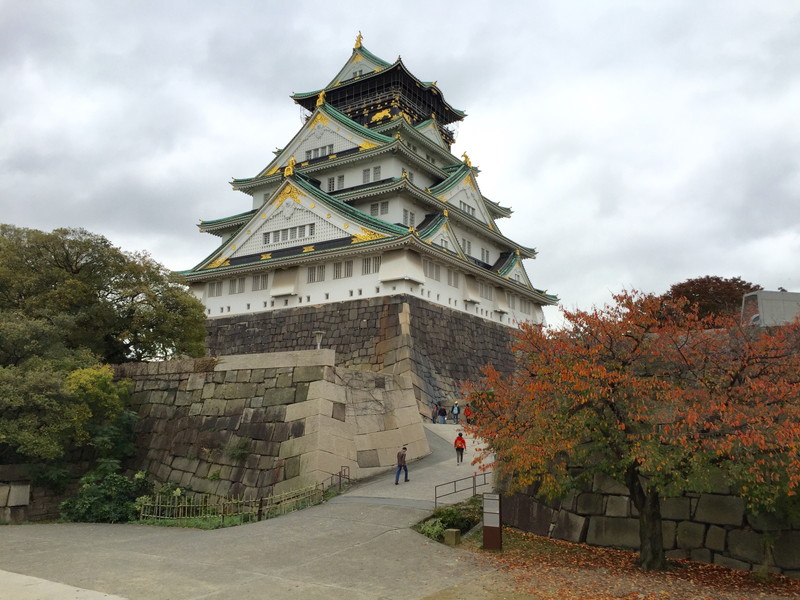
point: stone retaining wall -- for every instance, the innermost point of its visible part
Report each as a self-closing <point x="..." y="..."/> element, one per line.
<point x="706" y="527"/>
<point x="436" y="346"/>
<point x="256" y="424"/>
<point x="22" y="501"/>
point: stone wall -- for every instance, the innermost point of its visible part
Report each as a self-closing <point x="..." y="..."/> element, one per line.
<point x="436" y="346"/>
<point x="21" y="501"/>
<point x="706" y="527"/>
<point x="256" y="424"/>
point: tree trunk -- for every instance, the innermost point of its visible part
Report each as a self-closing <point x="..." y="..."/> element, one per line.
<point x="646" y="501"/>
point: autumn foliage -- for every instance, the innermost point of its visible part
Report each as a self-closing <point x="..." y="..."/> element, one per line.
<point x="657" y="397"/>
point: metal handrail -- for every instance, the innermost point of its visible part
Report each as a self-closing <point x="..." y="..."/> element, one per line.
<point x="473" y="479"/>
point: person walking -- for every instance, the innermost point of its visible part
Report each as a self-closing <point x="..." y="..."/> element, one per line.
<point x="442" y="414"/>
<point x="401" y="465"/>
<point x="456" y="411"/>
<point x="460" y="445"/>
<point x="434" y="413"/>
<point x="468" y="414"/>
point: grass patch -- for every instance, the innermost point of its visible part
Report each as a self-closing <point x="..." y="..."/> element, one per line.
<point x="199" y="523"/>
<point x="462" y="516"/>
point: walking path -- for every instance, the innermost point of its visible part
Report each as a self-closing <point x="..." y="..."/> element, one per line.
<point x="358" y="546"/>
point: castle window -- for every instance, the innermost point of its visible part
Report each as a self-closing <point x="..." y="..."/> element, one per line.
<point x="485" y="255"/>
<point x="379" y="208"/>
<point x="444" y="244"/>
<point x="308" y="154"/>
<point x="470" y="210"/>
<point x="512" y="301"/>
<point x="214" y="289"/>
<point x="376" y="173"/>
<point x="316" y="274"/>
<point x="358" y="73"/>
<point x="260" y="282"/>
<point x="370" y="265"/>
<point x="340" y="182"/>
<point x="315" y="153"/>
<point x="331" y="183"/>
<point x="485" y="290"/>
<point x="452" y="278"/>
<point x="431" y="270"/>
<point x="236" y="286"/>
<point x="466" y="245"/>
<point x="365" y="175"/>
<point x="409" y="218"/>
<point x="290" y="233"/>
<point x="342" y="270"/>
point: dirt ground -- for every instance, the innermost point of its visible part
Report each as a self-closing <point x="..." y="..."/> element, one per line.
<point x="531" y="567"/>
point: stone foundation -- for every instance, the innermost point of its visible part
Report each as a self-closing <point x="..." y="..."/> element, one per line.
<point x="438" y="348"/>
<point x="707" y="527"/>
<point x="257" y="424"/>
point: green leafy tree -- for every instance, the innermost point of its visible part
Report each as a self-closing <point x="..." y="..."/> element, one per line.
<point x="713" y="295"/>
<point x="655" y="396"/>
<point x="120" y="306"/>
<point x="69" y="302"/>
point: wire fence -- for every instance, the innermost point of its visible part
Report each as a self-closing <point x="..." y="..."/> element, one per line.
<point x="206" y="507"/>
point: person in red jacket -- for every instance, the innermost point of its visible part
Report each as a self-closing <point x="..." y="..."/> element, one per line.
<point x="460" y="445"/>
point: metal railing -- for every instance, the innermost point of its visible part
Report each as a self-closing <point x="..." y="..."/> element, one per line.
<point x="475" y="481"/>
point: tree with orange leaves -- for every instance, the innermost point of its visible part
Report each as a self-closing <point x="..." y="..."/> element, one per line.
<point x="653" y="395"/>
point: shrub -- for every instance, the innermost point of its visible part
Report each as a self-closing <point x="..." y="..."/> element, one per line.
<point x="105" y="496"/>
<point x="432" y="528"/>
<point x="463" y="516"/>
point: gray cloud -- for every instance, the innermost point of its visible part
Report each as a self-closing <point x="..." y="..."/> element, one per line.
<point x="638" y="144"/>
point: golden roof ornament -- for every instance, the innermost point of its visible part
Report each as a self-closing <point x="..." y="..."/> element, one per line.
<point x="321" y="98"/>
<point x="359" y="37"/>
<point x="289" y="170"/>
<point x="467" y="161"/>
<point x="404" y="175"/>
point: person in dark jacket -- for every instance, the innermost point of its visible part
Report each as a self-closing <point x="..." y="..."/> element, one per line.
<point x="401" y="465"/>
<point x="442" y="415"/>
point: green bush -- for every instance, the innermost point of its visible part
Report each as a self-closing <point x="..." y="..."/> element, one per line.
<point x="105" y="496"/>
<point x="432" y="528"/>
<point x="463" y="516"/>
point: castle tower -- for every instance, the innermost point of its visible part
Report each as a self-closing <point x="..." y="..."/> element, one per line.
<point x="367" y="201"/>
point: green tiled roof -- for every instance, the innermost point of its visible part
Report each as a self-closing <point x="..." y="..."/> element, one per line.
<point x="224" y="220"/>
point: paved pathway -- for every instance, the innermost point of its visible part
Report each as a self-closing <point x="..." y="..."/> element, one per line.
<point x="356" y="547"/>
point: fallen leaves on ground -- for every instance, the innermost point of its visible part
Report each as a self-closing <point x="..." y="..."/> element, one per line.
<point x="544" y="568"/>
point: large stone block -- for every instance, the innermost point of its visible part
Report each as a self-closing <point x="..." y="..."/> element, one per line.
<point x="4" y="491"/>
<point x="786" y="550"/>
<point x="591" y="504"/>
<point x="715" y="538"/>
<point x="603" y="484"/>
<point x="668" y="534"/>
<point x="19" y="494"/>
<point x="690" y="535"/>
<point x="720" y="510"/>
<point x="618" y="506"/>
<point x="309" y="373"/>
<point x="569" y="526"/>
<point x="676" y="509"/>
<point x="747" y="545"/>
<point x="731" y="563"/>
<point x="767" y="522"/>
<point x="607" y="531"/>
<point x="280" y="395"/>
<point x="338" y="411"/>
<point x="540" y="517"/>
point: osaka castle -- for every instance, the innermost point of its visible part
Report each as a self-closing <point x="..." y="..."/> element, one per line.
<point x="368" y="200"/>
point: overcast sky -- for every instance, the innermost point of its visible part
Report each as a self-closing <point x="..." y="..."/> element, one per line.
<point x="639" y="144"/>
